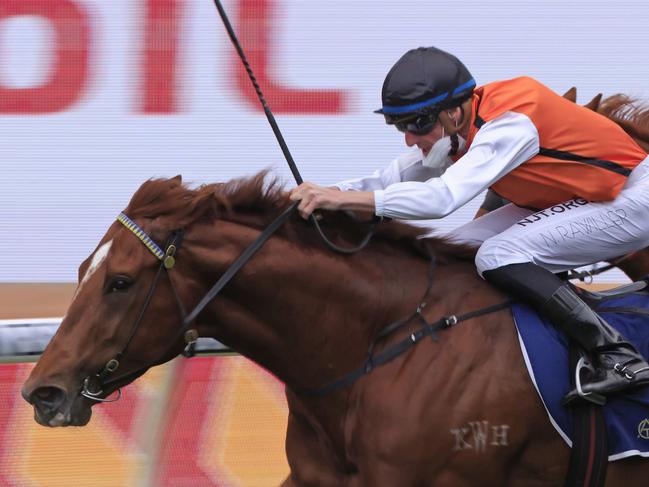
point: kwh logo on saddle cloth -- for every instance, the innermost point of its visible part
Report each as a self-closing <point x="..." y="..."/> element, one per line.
<point x="626" y="416"/>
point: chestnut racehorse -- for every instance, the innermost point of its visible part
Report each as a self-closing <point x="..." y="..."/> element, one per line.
<point x="308" y="315"/>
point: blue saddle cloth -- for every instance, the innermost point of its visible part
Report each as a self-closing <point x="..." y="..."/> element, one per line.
<point x="545" y="350"/>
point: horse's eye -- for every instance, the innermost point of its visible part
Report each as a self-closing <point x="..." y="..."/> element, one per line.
<point x="118" y="284"/>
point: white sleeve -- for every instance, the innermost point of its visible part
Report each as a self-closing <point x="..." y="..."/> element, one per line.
<point x="406" y="167"/>
<point x="500" y="146"/>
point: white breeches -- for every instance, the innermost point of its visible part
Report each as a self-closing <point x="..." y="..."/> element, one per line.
<point x="564" y="236"/>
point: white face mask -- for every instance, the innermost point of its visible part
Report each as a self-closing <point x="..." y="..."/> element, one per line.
<point x="438" y="156"/>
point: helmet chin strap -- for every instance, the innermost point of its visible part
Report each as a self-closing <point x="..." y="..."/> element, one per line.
<point x="455" y="142"/>
<point x="452" y="127"/>
<point x="455" y="145"/>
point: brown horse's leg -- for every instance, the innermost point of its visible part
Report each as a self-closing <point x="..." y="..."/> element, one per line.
<point x="312" y="462"/>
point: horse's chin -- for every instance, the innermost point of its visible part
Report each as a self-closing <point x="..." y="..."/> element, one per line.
<point x="77" y="414"/>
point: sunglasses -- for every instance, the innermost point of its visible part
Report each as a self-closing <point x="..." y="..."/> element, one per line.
<point x="417" y="125"/>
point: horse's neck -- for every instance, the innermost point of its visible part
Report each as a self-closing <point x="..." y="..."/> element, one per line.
<point x="306" y="314"/>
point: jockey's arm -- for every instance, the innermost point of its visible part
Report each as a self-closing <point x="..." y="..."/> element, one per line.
<point x="406" y="167"/>
<point x="499" y="147"/>
<point x="357" y="194"/>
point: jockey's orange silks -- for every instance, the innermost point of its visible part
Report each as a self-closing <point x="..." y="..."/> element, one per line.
<point x="582" y="153"/>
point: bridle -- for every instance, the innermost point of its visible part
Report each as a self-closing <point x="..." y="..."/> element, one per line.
<point x="93" y="386"/>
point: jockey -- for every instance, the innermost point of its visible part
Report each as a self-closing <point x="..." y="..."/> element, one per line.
<point x="579" y="187"/>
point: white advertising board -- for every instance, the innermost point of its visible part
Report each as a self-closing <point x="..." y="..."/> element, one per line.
<point x="96" y="96"/>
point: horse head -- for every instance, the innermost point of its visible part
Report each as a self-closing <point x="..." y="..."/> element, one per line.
<point x="122" y="320"/>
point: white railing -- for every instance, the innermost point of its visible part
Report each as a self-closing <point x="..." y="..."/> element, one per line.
<point x="29" y="337"/>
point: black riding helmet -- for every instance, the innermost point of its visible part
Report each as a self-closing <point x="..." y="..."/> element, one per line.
<point x="423" y="82"/>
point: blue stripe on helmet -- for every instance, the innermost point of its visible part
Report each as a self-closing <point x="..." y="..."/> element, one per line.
<point x="415" y="106"/>
<point x="461" y="88"/>
<point x="390" y="110"/>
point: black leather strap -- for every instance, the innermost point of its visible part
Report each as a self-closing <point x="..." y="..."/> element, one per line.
<point x="373" y="361"/>
<point x="238" y="264"/>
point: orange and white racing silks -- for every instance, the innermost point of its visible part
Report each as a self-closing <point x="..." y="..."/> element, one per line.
<point x="579" y="183"/>
<point x="582" y="153"/>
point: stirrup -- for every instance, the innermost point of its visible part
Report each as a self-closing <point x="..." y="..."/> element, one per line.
<point x="593" y="397"/>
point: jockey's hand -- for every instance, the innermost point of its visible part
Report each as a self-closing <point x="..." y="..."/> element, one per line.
<point x="312" y="197"/>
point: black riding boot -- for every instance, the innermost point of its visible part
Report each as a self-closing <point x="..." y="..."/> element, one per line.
<point x="618" y="365"/>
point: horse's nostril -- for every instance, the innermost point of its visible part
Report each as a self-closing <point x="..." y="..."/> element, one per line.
<point x="47" y="399"/>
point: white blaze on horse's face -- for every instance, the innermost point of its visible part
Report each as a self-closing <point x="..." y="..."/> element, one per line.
<point x="97" y="260"/>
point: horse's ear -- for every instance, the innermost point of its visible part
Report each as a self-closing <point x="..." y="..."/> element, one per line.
<point x="594" y="103"/>
<point x="177" y="179"/>
<point x="571" y="94"/>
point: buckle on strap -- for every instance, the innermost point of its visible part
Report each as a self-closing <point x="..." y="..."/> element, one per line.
<point x="450" y="321"/>
<point x="191" y="337"/>
<point x="626" y="372"/>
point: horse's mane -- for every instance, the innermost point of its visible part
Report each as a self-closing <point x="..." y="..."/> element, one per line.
<point x="176" y="205"/>
<point x="626" y="108"/>
<point x="630" y="114"/>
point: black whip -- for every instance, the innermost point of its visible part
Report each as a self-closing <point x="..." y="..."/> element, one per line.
<point x="260" y="95"/>
<point x="280" y="138"/>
